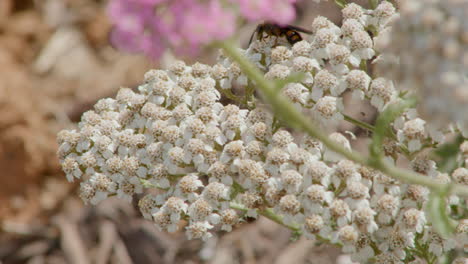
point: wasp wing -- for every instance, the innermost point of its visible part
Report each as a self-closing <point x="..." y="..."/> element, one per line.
<point x="298" y="29"/>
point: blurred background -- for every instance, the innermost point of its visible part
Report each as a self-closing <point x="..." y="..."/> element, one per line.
<point x="55" y="63"/>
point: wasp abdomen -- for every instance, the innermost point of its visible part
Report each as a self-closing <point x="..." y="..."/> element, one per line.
<point x="290" y="32"/>
<point x="293" y="36"/>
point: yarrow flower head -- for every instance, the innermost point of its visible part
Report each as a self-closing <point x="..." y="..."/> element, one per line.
<point x="201" y="164"/>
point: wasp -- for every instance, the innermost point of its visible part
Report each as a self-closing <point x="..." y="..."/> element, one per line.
<point x="290" y="32"/>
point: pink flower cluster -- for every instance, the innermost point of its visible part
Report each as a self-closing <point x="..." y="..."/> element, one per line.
<point x="152" y="26"/>
<point x="278" y="11"/>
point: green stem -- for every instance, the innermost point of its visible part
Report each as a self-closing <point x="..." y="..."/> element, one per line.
<point x="355" y="122"/>
<point x="237" y="206"/>
<point x="231" y="96"/>
<point x="414" y="178"/>
<point x="359" y="123"/>
<point x="249" y="94"/>
<point x="268" y="213"/>
<point x="283" y="108"/>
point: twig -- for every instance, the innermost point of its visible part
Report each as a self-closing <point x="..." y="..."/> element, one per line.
<point x="107" y="235"/>
<point x="71" y="242"/>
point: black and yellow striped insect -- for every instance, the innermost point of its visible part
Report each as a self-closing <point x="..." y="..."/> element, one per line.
<point x="290" y="32"/>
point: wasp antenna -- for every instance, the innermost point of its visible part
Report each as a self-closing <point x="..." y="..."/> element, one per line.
<point x="251" y="36"/>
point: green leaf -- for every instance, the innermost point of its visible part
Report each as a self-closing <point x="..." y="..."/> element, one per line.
<point x="437" y="211"/>
<point x="147" y="184"/>
<point x="236" y="189"/>
<point x="446" y="155"/>
<point x="295" y="235"/>
<point x="382" y="125"/>
<point x="373" y="3"/>
<point x="341" y="3"/>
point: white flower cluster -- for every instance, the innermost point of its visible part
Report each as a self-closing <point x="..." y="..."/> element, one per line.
<point x="332" y="61"/>
<point x="213" y="165"/>
<point x="431" y="40"/>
